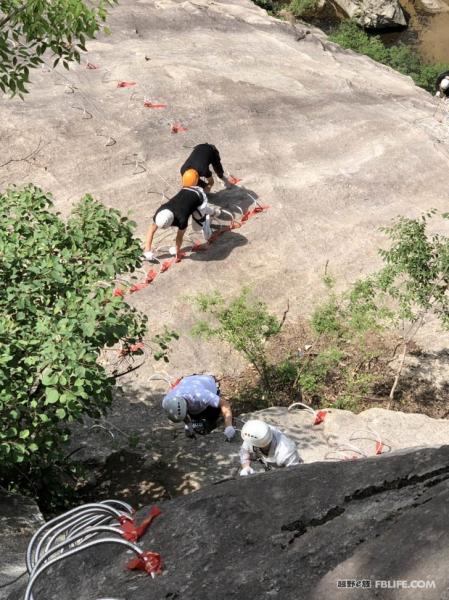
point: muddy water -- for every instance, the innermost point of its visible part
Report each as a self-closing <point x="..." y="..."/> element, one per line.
<point x="428" y="33"/>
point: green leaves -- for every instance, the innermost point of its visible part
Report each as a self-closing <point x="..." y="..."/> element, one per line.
<point x="51" y="395"/>
<point x="30" y="29"/>
<point x="57" y="311"/>
<point x="244" y="323"/>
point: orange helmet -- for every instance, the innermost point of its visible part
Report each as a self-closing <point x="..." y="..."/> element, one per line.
<point x="190" y="178"/>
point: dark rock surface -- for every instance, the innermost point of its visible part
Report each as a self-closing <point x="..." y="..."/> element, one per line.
<point x="288" y="534"/>
<point x="19" y="518"/>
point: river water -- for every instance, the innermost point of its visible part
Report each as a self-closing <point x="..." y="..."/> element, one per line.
<point x="427" y="33"/>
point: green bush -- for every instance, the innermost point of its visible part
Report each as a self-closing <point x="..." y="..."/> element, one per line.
<point x="58" y="311"/>
<point x="244" y="323"/>
<point x="302" y="8"/>
<point x="400" y="57"/>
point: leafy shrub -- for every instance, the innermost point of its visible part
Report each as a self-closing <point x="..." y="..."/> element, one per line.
<point x="400" y="57"/>
<point x="302" y="8"/>
<point x="58" y="311"/>
<point x="29" y="29"/>
<point x="244" y="323"/>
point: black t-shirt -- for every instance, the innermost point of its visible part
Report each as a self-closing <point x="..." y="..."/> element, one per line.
<point x="183" y="205"/>
<point x="201" y="158"/>
<point x="439" y="80"/>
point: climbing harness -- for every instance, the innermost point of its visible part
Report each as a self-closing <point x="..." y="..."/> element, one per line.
<point x="78" y="529"/>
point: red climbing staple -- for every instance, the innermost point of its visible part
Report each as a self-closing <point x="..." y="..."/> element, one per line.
<point x="198" y="247"/>
<point x="126" y="84"/>
<point x="136" y="347"/>
<point x="260" y="208"/>
<point x="141" y="529"/>
<point x="166" y="265"/>
<point x="246" y="216"/>
<point x="180" y="256"/>
<point x="149" y="104"/>
<point x="175" y="383"/>
<point x="151" y="562"/>
<point x="379" y="447"/>
<point x="320" y="416"/>
<point x="177" y="128"/>
<point x="131" y="349"/>
<point x="137" y="287"/>
<point x="234" y="180"/>
<point x="250" y="213"/>
<point x="91" y="66"/>
<point x="133" y="532"/>
<point x="119" y="292"/>
<point x="151" y="276"/>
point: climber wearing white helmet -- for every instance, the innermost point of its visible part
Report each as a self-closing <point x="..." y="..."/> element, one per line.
<point x="188" y="202"/>
<point x="442" y="85"/>
<point x="268" y="445"/>
<point x="196" y="400"/>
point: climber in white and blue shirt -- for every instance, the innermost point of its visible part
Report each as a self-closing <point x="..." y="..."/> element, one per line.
<point x="196" y="400"/>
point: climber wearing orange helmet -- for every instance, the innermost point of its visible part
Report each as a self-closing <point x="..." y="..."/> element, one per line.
<point x="197" y="166"/>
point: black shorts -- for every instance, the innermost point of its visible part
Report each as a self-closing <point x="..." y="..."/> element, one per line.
<point x="207" y="420"/>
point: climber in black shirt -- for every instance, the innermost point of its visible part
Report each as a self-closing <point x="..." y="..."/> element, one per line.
<point x="198" y="165"/>
<point x="188" y="202"/>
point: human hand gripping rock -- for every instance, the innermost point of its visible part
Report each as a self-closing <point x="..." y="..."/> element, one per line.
<point x="246" y="471"/>
<point x="229" y="433"/>
<point x="189" y="431"/>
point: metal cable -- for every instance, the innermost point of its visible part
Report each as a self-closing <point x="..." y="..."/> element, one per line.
<point x="73" y="532"/>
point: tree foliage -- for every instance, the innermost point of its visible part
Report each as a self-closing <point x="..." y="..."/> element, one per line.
<point x="30" y="28"/>
<point x="416" y="272"/>
<point x="58" y="311"/>
<point x="243" y="322"/>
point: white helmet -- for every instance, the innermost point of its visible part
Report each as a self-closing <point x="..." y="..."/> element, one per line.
<point x="175" y="407"/>
<point x="257" y="433"/>
<point x="164" y="218"/>
<point x="444" y="85"/>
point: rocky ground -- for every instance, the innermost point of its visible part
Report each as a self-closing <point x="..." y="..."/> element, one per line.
<point x="292" y="534"/>
<point x="337" y="146"/>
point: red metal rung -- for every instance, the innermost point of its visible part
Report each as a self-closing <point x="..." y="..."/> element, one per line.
<point x="149" y="104"/>
<point x="177" y="128"/>
<point x="126" y="84"/>
<point x="137" y="287"/>
<point x="320" y="416"/>
<point x="151" y="562"/>
<point x="166" y="265"/>
<point x="151" y="276"/>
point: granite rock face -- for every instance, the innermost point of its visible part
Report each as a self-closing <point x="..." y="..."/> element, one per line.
<point x="19" y="519"/>
<point x="288" y="534"/>
<point x="375" y="14"/>
<point x="335" y="143"/>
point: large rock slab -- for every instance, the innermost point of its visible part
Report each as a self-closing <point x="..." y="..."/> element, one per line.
<point x="346" y="435"/>
<point x="375" y="14"/>
<point x="288" y="534"/>
<point x="336" y="144"/>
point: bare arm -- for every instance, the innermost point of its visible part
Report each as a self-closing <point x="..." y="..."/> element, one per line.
<point x="178" y="242"/>
<point x="245" y="456"/>
<point x="150" y="235"/>
<point x="226" y="411"/>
